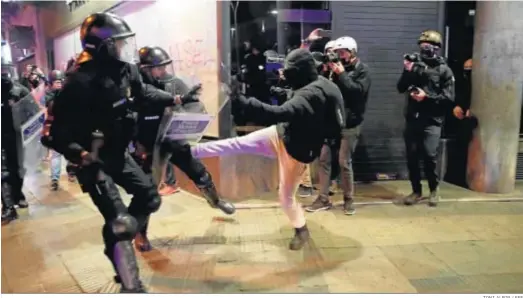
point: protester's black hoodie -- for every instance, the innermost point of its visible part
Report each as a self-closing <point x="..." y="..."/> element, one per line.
<point x="314" y="112"/>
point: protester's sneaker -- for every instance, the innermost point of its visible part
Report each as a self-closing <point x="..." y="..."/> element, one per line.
<point x="412" y="199"/>
<point x="304" y="191"/>
<point x="301" y="237"/>
<point x="321" y="203"/>
<point x="434" y="198"/>
<point x="348" y="206"/>
<point x="54" y="185"/>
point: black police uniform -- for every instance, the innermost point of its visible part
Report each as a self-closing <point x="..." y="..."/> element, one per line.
<point x="12" y="159"/>
<point x="93" y="125"/>
<point x="424" y="119"/>
<point x="150" y="116"/>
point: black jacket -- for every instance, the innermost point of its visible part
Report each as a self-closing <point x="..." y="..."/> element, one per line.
<point x="435" y="77"/>
<point x="354" y="84"/>
<point x="100" y="97"/>
<point x="314" y="112"/>
<point x="150" y="114"/>
<point x="305" y="120"/>
<point x="10" y="91"/>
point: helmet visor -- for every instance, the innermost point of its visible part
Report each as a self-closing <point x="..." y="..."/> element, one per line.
<point x="162" y="73"/>
<point x="9" y="71"/>
<point x="126" y="49"/>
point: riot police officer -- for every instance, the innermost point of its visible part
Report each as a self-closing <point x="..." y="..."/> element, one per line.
<point x="92" y="127"/>
<point x="12" y="157"/>
<point x="157" y="70"/>
<point x="428" y="83"/>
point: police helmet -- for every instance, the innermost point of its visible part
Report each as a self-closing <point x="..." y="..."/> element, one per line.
<point x="8" y="70"/>
<point x="430" y="36"/>
<point x="157" y="62"/>
<point x="108" y="36"/>
<point x="55" y="75"/>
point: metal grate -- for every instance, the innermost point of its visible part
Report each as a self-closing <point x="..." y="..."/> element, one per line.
<point x="519" y="167"/>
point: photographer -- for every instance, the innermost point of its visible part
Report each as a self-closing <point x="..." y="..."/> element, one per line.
<point x="352" y="78"/>
<point x="35" y="78"/>
<point x="428" y="83"/>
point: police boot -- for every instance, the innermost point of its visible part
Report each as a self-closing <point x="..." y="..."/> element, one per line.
<point x="8" y="215"/>
<point x="211" y="195"/>
<point x="124" y="261"/>
<point x="22" y="203"/>
<point x="141" y="242"/>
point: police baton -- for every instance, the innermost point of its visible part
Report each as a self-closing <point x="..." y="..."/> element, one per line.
<point x="96" y="144"/>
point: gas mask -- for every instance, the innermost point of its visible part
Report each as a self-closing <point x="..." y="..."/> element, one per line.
<point x="428" y="50"/>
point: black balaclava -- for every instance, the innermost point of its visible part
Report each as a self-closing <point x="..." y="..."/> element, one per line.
<point x="428" y="51"/>
<point x="300" y="68"/>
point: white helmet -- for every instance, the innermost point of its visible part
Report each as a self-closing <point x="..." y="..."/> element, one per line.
<point x="329" y="45"/>
<point x="346" y="42"/>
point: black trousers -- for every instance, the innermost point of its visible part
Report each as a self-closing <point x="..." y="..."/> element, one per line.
<point x="422" y="142"/>
<point x="11" y="169"/>
<point x="182" y="157"/>
<point x="105" y="195"/>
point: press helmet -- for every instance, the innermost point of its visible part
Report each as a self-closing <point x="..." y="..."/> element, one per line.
<point x="329" y="45"/>
<point x="430" y="36"/>
<point x="347" y="43"/>
<point x="108" y="36"/>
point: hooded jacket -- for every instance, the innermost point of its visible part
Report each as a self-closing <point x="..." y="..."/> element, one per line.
<point x="313" y="113"/>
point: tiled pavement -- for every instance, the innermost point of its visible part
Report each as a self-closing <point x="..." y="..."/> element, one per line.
<point x="468" y="247"/>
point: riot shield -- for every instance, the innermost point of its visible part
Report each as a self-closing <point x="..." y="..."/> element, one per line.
<point x="187" y="122"/>
<point x="28" y="120"/>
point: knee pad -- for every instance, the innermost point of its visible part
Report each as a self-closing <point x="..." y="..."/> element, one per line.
<point x="205" y="181"/>
<point x="154" y="204"/>
<point x="124" y="227"/>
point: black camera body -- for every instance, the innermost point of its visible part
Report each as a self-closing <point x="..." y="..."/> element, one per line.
<point x="413" y="88"/>
<point x="331" y="57"/>
<point x="414" y="57"/>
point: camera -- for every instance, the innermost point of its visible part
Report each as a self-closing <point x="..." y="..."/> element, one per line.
<point x="331" y="57"/>
<point x="411" y="57"/>
<point x="412" y="88"/>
